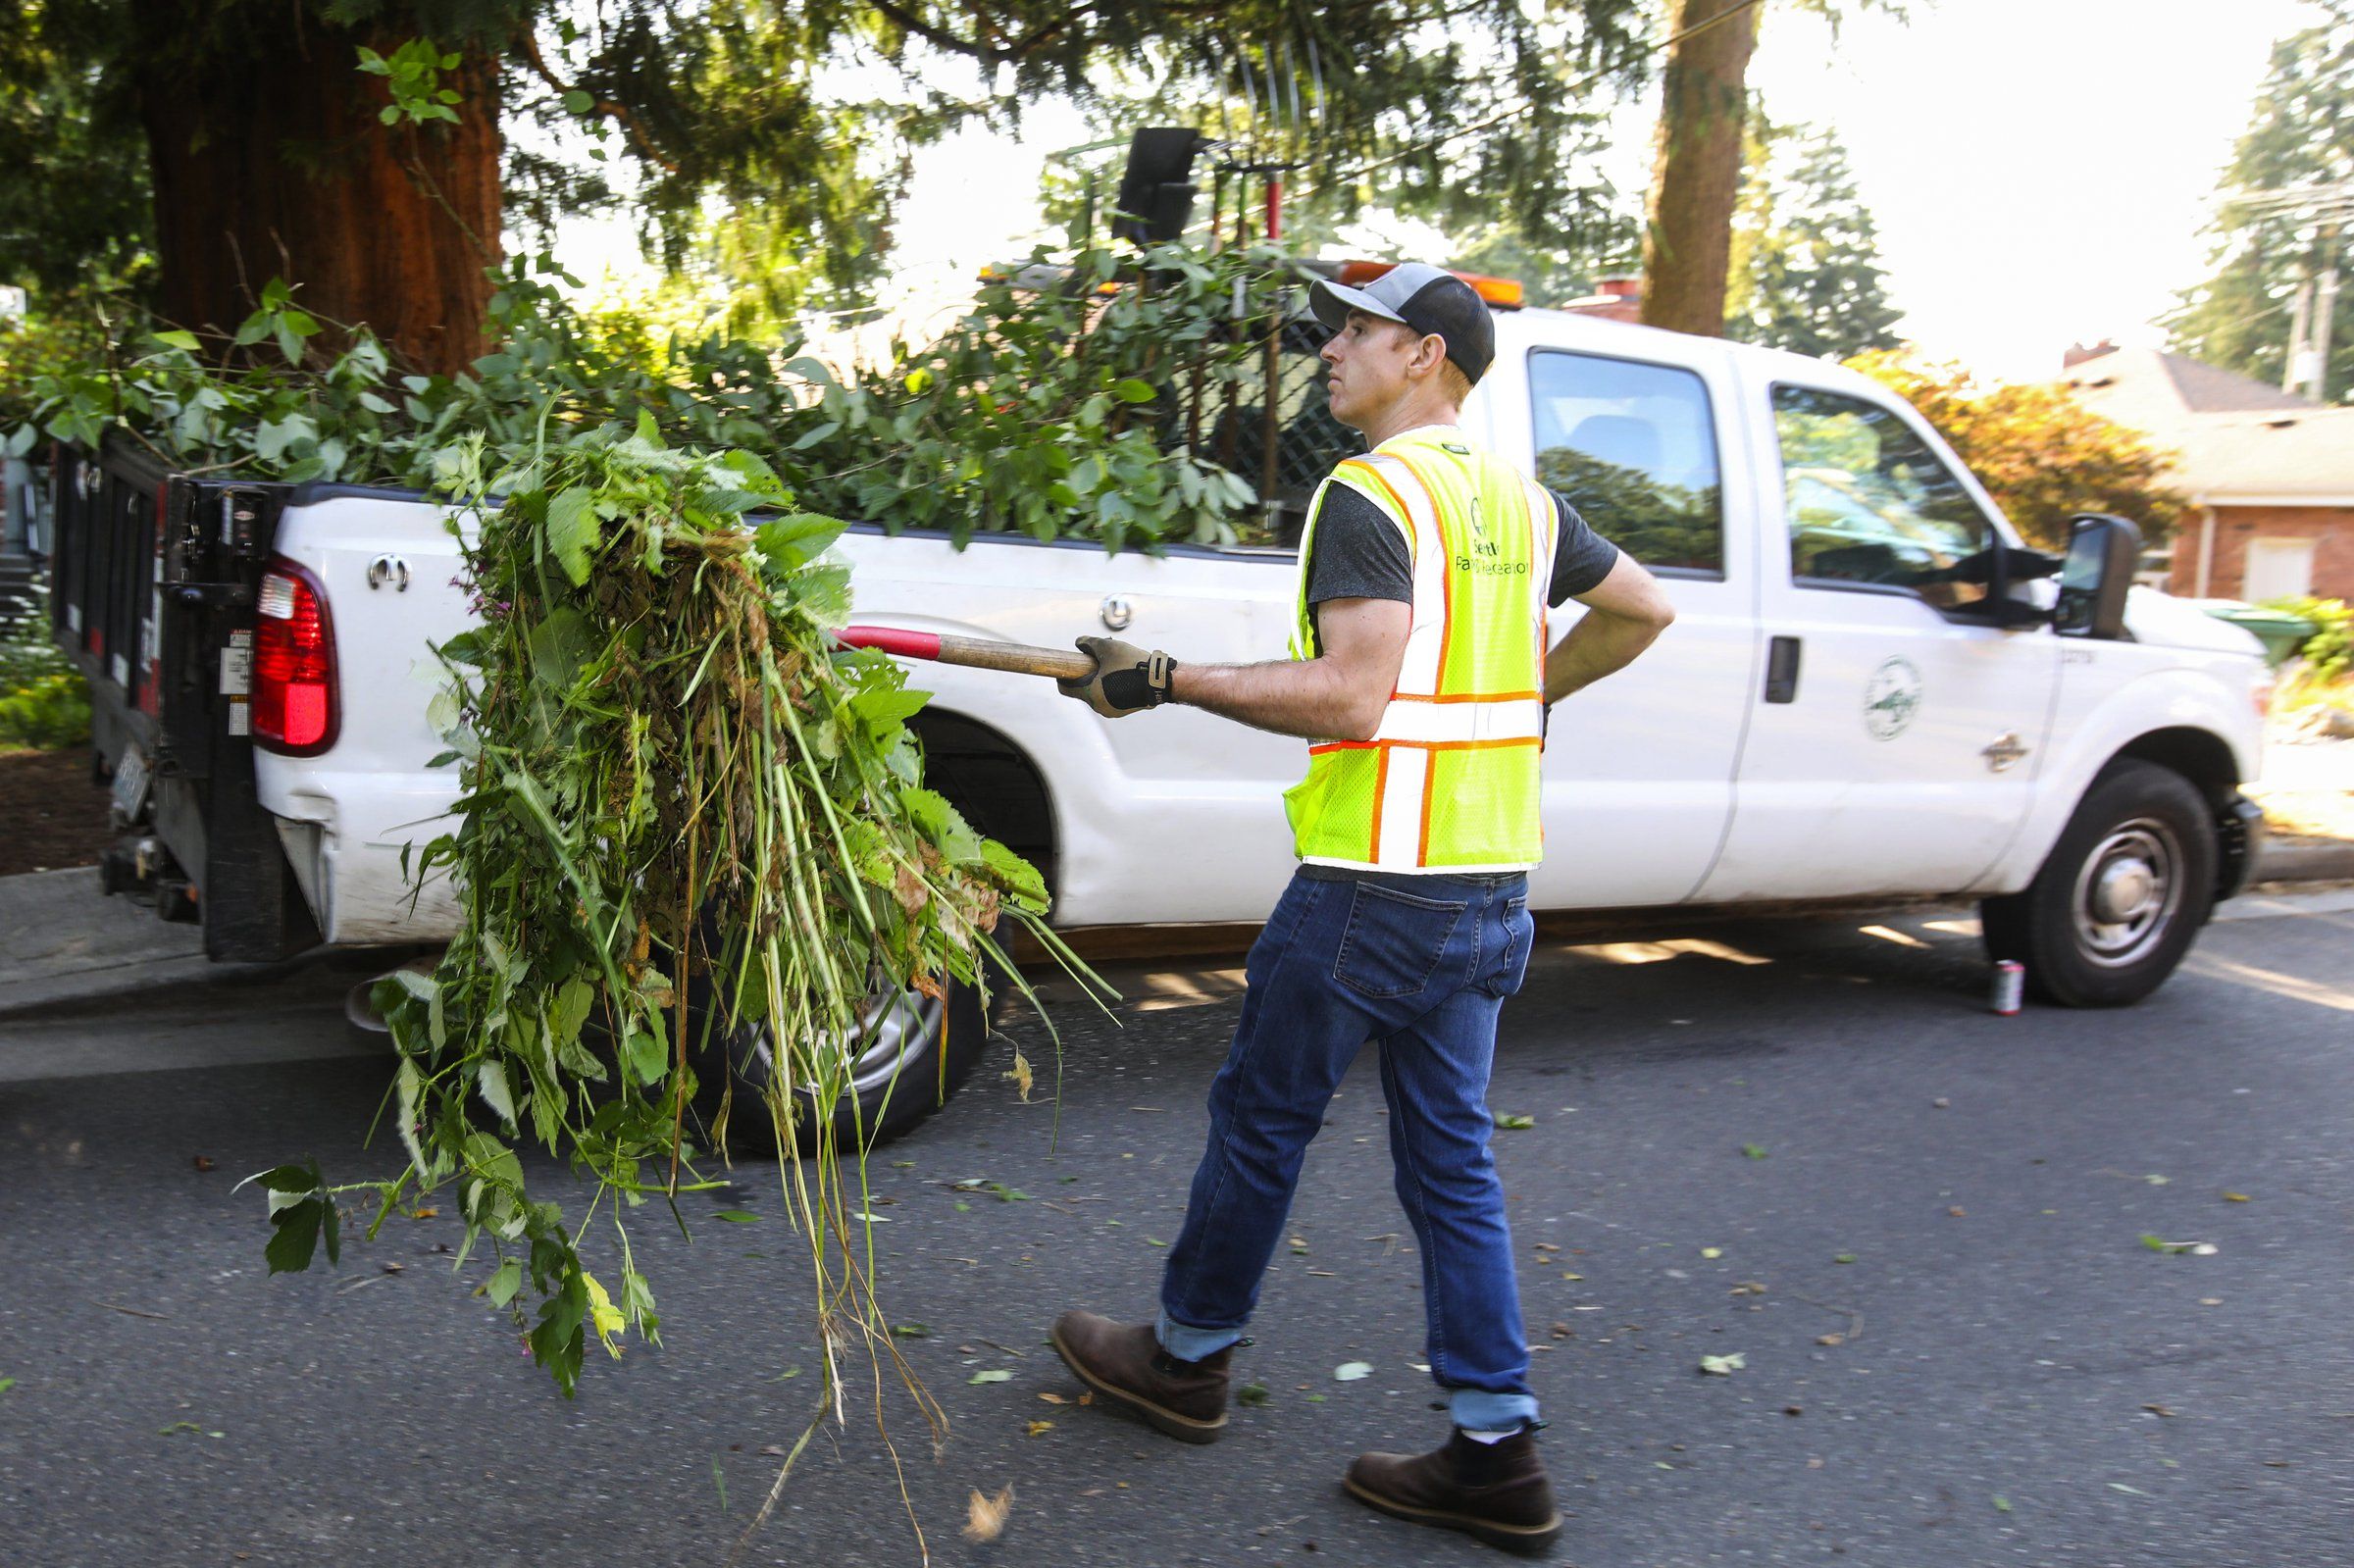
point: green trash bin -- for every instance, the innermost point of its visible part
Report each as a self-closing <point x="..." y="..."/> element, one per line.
<point x="2280" y="633"/>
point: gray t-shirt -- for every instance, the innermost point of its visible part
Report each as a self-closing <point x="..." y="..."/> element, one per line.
<point x="1356" y="552"/>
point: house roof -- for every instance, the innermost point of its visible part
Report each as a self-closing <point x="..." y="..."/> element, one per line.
<point x="2234" y="436"/>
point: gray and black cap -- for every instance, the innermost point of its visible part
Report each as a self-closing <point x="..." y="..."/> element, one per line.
<point x="1426" y="299"/>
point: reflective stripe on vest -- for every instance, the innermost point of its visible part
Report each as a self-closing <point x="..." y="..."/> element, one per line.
<point x="1450" y="779"/>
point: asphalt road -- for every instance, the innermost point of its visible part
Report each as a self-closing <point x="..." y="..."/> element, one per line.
<point x="1961" y="1197"/>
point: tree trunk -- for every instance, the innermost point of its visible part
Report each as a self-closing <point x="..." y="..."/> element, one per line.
<point x="1695" y="177"/>
<point x="269" y="160"/>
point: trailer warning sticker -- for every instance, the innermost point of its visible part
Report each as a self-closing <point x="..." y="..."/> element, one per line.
<point x="236" y="665"/>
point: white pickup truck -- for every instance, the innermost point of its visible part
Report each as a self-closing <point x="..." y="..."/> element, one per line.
<point x="1869" y="689"/>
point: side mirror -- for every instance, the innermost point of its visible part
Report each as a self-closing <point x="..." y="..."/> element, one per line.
<point x="2102" y="552"/>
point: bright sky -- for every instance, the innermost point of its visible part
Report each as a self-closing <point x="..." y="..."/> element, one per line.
<point x="2040" y="170"/>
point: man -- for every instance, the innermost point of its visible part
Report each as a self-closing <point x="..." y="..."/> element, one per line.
<point x="1421" y="675"/>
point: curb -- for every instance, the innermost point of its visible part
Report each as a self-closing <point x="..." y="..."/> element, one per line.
<point x="2318" y="861"/>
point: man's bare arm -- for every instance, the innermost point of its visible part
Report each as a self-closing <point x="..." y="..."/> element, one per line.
<point x="1338" y="695"/>
<point x="1626" y="612"/>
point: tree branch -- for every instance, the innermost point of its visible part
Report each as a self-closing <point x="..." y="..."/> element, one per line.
<point x="607" y="107"/>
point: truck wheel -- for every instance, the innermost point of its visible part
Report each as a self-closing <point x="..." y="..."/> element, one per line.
<point x="913" y="1053"/>
<point x="2121" y="897"/>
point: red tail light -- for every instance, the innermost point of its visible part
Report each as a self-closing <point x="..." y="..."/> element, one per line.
<point x="293" y="664"/>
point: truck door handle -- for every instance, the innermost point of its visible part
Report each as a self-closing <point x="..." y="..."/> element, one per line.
<point x="1781" y="669"/>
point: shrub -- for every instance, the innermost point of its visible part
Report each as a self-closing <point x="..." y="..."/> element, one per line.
<point x="2328" y="653"/>
<point x="51" y="713"/>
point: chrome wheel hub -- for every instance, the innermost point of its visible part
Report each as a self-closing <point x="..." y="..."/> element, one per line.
<point x="2128" y="892"/>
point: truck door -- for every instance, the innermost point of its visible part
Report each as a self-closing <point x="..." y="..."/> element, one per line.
<point x="1894" y="747"/>
<point x="1639" y="768"/>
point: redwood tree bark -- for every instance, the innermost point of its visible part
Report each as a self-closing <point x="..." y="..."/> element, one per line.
<point x="1696" y="174"/>
<point x="269" y="160"/>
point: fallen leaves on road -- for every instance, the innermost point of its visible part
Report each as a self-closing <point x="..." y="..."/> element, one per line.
<point x="1724" y="1366"/>
<point x="998" y="1375"/>
<point x="204" y="1162"/>
<point x="2158" y="1410"/>
<point x="1515" y="1124"/>
<point x="1034" y="1428"/>
<point x="1251" y="1395"/>
<point x="1351" y="1371"/>
<point x="1053" y="1398"/>
<point x="984" y="1517"/>
<point x="1755" y="1152"/>
<point x="1711" y="1253"/>
<point x="2235" y="1197"/>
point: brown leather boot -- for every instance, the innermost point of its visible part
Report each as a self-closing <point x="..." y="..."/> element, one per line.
<point x="1125" y="1363"/>
<point x="1496" y="1491"/>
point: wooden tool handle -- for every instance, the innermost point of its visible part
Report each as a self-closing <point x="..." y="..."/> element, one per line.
<point x="1059" y="664"/>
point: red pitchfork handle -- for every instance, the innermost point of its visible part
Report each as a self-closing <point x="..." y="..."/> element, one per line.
<point x="1060" y="664"/>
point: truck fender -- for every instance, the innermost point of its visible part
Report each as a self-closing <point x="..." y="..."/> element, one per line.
<point x="2185" y="719"/>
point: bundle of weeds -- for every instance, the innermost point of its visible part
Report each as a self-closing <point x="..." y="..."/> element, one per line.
<point x="674" y="785"/>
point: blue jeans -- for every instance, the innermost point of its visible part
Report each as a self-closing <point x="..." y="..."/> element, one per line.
<point x="1422" y="965"/>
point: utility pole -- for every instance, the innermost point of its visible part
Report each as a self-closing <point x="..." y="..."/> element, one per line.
<point x="2325" y="315"/>
<point x="2293" y="365"/>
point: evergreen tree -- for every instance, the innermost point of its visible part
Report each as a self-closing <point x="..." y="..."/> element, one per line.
<point x="763" y="139"/>
<point x="1805" y="271"/>
<point x="2300" y="138"/>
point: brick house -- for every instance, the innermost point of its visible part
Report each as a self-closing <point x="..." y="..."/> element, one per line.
<point x="2270" y="475"/>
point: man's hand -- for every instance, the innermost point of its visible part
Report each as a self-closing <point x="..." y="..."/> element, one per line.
<point x="1127" y="678"/>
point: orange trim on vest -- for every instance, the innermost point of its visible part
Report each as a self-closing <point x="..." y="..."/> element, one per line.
<point x="1467" y="697"/>
<point x="1381" y="784"/>
<point x="1422" y="843"/>
<point x="1405" y="513"/>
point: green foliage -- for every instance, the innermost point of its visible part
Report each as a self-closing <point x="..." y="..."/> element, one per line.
<point x="413" y="76"/>
<point x="1046" y="411"/>
<point x="1041" y="410"/>
<point x="2301" y="133"/>
<point x="43" y="701"/>
<point x="2328" y="653"/>
<point x="49" y="713"/>
<point x="681" y="810"/>
<point x="1806" y="261"/>
<point x="27" y="652"/>
<point x="57" y="335"/>
<point x="74" y="209"/>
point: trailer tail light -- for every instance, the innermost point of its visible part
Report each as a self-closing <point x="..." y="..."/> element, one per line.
<point x="293" y="664"/>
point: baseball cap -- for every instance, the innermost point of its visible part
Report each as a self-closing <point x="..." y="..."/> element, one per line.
<point x="1423" y="297"/>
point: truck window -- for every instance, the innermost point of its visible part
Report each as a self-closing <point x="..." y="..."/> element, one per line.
<point x="1869" y="503"/>
<point x="1633" y="447"/>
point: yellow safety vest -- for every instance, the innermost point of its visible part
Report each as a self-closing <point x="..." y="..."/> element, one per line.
<point x="1450" y="779"/>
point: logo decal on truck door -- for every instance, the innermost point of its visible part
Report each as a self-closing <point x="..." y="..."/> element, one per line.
<point x="1891" y="698"/>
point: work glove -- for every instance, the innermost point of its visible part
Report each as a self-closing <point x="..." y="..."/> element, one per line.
<point x="1127" y="678"/>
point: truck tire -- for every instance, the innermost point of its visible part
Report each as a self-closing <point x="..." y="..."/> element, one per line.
<point x="2121" y="897"/>
<point x="918" y="1052"/>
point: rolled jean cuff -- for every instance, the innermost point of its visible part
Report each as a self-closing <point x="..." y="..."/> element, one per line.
<point x="1192" y="1344"/>
<point x="1478" y="1410"/>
